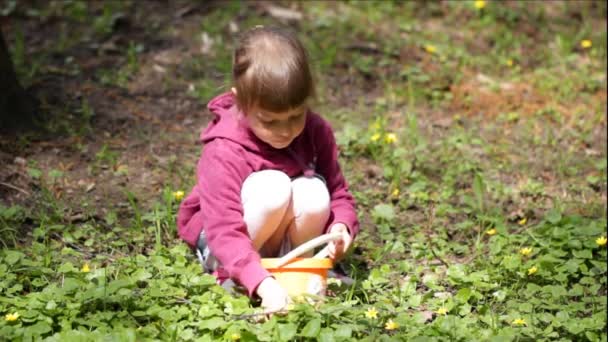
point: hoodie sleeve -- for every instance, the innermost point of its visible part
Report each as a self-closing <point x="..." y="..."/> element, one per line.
<point x="342" y="202"/>
<point x="219" y="181"/>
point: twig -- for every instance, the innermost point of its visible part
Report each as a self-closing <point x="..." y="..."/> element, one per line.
<point x="15" y="188"/>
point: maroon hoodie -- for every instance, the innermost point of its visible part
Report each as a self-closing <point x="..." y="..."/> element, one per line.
<point x="230" y="154"/>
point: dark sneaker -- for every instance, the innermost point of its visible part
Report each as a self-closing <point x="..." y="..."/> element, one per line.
<point x="207" y="260"/>
<point x="338" y="273"/>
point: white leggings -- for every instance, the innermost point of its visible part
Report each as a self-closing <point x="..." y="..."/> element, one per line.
<point x="279" y="211"/>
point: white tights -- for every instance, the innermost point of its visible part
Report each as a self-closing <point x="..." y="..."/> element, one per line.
<point x="276" y="208"/>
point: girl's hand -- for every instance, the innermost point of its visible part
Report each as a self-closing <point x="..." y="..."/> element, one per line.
<point x="337" y="248"/>
<point x="274" y="297"/>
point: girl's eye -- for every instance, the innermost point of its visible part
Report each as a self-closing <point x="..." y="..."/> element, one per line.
<point x="297" y="117"/>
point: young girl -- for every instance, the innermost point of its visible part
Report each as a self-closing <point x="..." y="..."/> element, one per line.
<point x="268" y="177"/>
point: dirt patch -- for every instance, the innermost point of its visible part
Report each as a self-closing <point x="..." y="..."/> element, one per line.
<point x="480" y="95"/>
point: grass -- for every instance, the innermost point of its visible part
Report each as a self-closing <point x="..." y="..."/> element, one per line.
<point x="482" y="219"/>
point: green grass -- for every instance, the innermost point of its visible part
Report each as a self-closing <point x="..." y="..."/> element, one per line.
<point x="446" y="208"/>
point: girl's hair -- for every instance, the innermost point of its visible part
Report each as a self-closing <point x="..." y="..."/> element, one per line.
<point x="270" y="70"/>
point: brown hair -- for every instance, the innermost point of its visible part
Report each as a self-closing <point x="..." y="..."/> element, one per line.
<point x="270" y="70"/>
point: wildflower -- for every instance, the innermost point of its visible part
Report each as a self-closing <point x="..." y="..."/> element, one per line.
<point x="178" y="195"/>
<point x="390" y="325"/>
<point x="430" y="49"/>
<point x="510" y="62"/>
<point x="586" y="43"/>
<point x="601" y="241"/>
<point x="532" y="270"/>
<point x="519" y="321"/>
<point x="395" y="193"/>
<point x="480" y="4"/>
<point x="522" y="221"/>
<point x="525" y="251"/>
<point x="375" y="137"/>
<point x="11" y="317"/>
<point x="235" y="336"/>
<point x="371" y="313"/>
<point x="491" y="231"/>
<point x="442" y="311"/>
<point x="85" y="268"/>
<point x="376" y="126"/>
<point x="390" y="138"/>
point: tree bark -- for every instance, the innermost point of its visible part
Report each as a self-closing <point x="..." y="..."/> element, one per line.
<point x="17" y="108"/>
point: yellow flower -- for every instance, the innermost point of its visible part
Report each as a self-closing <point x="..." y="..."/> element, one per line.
<point x="11" y="317"/>
<point x="601" y="241"/>
<point x="532" y="270"/>
<point x="430" y="49"/>
<point x="522" y="221"/>
<point x="375" y="137"/>
<point x="519" y="321"/>
<point x="390" y="138"/>
<point x="178" y="195"/>
<point x="510" y="62"/>
<point x="442" y="311"/>
<point x="390" y="325"/>
<point x="491" y="231"/>
<point x="525" y="251"/>
<point x="586" y="43"/>
<point x="85" y="268"/>
<point x="371" y="313"/>
<point x="376" y="126"/>
<point x="480" y="4"/>
<point x="395" y="193"/>
<point x="235" y="336"/>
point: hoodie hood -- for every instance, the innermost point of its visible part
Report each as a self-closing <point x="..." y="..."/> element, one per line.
<point x="230" y="123"/>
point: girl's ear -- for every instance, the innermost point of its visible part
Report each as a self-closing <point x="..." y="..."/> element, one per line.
<point x="233" y="90"/>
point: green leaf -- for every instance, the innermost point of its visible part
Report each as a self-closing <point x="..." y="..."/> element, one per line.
<point x="526" y="307"/>
<point x="576" y="290"/>
<point x="212" y="323"/>
<point x="39" y="328"/>
<point x="555" y="290"/>
<point x="344" y="331"/>
<point x="34" y="173"/>
<point x="554" y="216"/>
<point x="312" y="328"/>
<point x="141" y="274"/>
<point x="562" y="316"/>
<point x="116" y="285"/>
<point x="287" y="331"/>
<point x="67" y="267"/>
<point x="51" y="305"/>
<point x="383" y="212"/>
<point x="463" y="295"/>
<point x="583" y="254"/>
<point x="327" y="335"/>
<point x="12" y="257"/>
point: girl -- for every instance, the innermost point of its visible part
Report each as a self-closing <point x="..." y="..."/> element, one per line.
<point x="268" y="178"/>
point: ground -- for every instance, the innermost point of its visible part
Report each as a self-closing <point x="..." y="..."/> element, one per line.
<point x="499" y="124"/>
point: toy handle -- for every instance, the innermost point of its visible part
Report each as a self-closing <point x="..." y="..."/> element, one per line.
<point x="308" y="246"/>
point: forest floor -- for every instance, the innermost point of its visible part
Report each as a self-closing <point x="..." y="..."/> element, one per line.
<point x="499" y="114"/>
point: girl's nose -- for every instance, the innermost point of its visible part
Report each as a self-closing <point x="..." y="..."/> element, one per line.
<point x="285" y="131"/>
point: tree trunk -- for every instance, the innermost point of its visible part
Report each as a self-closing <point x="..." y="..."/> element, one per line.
<point x="17" y="108"/>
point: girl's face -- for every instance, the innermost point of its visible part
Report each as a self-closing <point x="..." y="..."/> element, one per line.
<point x="277" y="129"/>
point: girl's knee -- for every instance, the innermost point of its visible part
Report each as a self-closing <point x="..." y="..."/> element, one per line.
<point x="310" y="196"/>
<point x="270" y="189"/>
